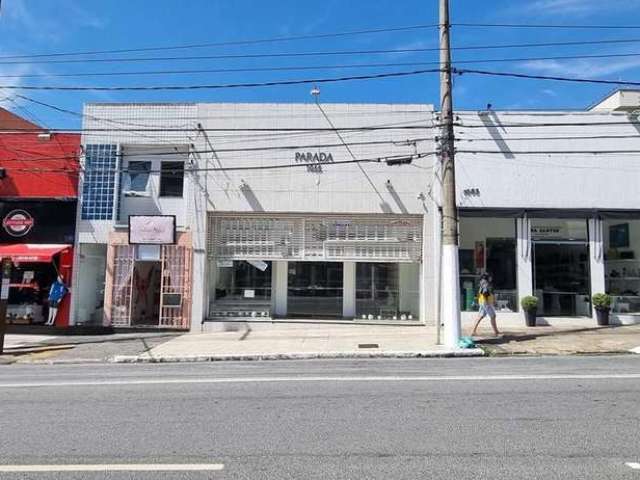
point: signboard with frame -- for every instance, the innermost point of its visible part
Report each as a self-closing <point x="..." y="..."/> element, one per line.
<point x="152" y="229"/>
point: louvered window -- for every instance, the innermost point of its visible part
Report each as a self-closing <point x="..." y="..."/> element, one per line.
<point x="315" y="238"/>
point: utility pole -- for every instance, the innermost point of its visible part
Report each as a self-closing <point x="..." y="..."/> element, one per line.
<point x="450" y="287"/>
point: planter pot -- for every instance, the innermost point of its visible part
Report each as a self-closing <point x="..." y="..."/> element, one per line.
<point x="530" y="317"/>
<point x="603" y="317"/>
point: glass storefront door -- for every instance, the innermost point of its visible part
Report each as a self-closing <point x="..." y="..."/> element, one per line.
<point x="315" y="289"/>
<point x="561" y="278"/>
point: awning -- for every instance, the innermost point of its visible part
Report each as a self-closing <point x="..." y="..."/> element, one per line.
<point x="31" y="252"/>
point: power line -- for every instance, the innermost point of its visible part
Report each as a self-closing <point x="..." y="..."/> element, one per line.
<point x="327" y="53"/>
<point x="550" y="124"/>
<point x="227" y="43"/>
<point x="509" y="139"/>
<point x="379" y="159"/>
<point x="221" y="86"/>
<point x="228" y="150"/>
<point x="550" y="152"/>
<point x="460" y="71"/>
<point x="547" y="25"/>
<point x="311" y="67"/>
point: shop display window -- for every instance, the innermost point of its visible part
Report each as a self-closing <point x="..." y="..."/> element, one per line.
<point x="488" y="245"/>
<point x="91" y="284"/>
<point x="387" y="291"/>
<point x="622" y="264"/>
<point x="242" y="289"/>
<point x="29" y="291"/>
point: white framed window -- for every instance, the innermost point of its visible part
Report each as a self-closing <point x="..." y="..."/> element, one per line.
<point x="137" y="178"/>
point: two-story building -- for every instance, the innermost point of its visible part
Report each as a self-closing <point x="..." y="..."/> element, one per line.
<point x="38" y="199"/>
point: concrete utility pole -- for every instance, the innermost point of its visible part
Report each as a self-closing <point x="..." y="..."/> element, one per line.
<point x="450" y="310"/>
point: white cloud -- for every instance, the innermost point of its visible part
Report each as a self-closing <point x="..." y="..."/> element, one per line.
<point x="581" y="67"/>
<point x="578" y="7"/>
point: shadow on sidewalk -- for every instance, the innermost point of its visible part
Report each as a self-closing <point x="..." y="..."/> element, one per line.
<point x="510" y="337"/>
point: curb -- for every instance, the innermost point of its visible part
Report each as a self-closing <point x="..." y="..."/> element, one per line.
<point x="474" y="352"/>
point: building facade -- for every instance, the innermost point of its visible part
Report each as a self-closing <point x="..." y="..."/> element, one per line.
<point x="38" y="200"/>
<point x="281" y="211"/>
<point x="332" y="212"/>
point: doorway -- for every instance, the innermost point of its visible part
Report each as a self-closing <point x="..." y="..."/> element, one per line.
<point x="315" y="289"/>
<point x="562" y="278"/>
<point x="145" y="298"/>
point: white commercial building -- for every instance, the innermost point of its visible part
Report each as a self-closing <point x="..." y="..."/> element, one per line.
<point x="282" y="211"/>
<point x="298" y="211"/>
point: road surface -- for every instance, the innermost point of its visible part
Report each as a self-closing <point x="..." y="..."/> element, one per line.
<point x="504" y="418"/>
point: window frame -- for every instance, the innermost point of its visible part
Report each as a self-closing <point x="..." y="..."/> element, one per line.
<point x="132" y="192"/>
<point x="171" y="175"/>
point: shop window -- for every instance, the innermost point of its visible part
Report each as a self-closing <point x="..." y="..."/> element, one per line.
<point x="99" y="182"/>
<point x="171" y="179"/>
<point x="622" y="264"/>
<point x="241" y="288"/>
<point x="488" y="245"/>
<point x="138" y="178"/>
<point x="387" y="291"/>
<point x="91" y="282"/>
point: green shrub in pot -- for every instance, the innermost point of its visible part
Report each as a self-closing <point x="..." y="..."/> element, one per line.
<point x="529" y="303"/>
<point x="602" y="306"/>
<point x="601" y="301"/>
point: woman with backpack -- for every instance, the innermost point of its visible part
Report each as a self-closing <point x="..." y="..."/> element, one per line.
<point x="486" y="300"/>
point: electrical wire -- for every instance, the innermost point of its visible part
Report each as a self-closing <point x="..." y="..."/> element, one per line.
<point x="315" y="67"/>
<point x="228" y="43"/>
<point x="546" y="25"/>
<point x="460" y="71"/>
<point x="221" y="86"/>
<point x="327" y="53"/>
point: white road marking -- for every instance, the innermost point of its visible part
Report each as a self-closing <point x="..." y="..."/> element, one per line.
<point x="635" y="466"/>
<point x="390" y="378"/>
<point x="117" y="467"/>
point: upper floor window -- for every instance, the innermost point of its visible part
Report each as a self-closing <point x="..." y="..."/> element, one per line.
<point x="138" y="177"/>
<point x="171" y="179"/>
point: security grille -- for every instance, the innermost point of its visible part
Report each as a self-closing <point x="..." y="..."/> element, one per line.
<point x="122" y="285"/>
<point x="175" y="299"/>
<point x="311" y="238"/>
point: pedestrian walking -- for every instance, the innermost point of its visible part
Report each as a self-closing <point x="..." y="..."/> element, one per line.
<point x="486" y="300"/>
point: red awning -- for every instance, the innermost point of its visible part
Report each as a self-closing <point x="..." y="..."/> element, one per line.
<point x="31" y="252"/>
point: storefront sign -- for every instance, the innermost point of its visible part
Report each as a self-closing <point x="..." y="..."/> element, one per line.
<point x="18" y="223"/>
<point x="315" y="160"/>
<point x="542" y="232"/>
<point x="38" y="221"/>
<point x="152" y="229"/>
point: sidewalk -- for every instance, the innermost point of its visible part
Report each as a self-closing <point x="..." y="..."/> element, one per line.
<point x="560" y="339"/>
<point x="291" y="341"/>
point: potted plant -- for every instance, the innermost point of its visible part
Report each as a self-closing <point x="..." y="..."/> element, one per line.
<point x="602" y="305"/>
<point x="530" y="307"/>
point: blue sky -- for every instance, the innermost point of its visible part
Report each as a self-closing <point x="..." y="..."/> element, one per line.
<point x="47" y="26"/>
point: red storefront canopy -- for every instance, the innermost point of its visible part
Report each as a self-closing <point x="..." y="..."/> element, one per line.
<point x="31" y="252"/>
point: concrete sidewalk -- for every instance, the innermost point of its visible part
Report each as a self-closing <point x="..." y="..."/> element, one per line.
<point x="560" y="339"/>
<point x="260" y="341"/>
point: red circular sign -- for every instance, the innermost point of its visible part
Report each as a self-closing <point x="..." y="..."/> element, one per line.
<point x="18" y="223"/>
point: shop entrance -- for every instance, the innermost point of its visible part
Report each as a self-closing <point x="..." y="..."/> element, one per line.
<point x="562" y="278"/>
<point x="145" y="304"/>
<point x="315" y="289"/>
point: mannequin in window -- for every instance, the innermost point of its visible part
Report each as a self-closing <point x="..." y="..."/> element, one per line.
<point x="56" y="294"/>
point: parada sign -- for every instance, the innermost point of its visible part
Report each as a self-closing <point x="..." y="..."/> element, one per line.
<point x="315" y="160"/>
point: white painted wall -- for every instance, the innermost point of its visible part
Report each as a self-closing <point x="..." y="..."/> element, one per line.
<point x="353" y="188"/>
<point x="516" y="180"/>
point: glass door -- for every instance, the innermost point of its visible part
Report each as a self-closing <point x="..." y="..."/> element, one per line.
<point x="562" y="278"/>
<point x="315" y="289"/>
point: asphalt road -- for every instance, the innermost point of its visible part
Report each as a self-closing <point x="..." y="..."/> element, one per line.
<point x="505" y="418"/>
